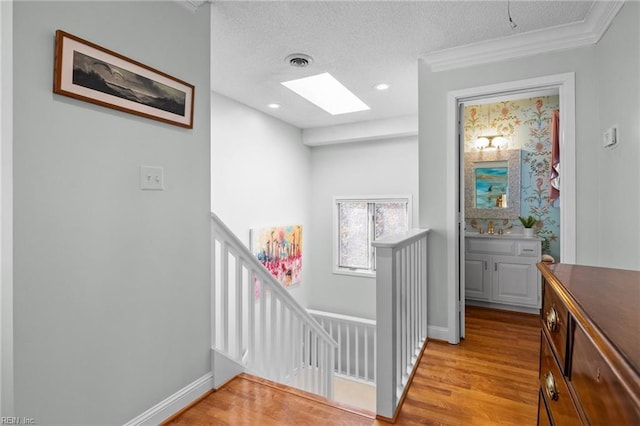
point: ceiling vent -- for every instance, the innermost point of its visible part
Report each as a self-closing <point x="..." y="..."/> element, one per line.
<point x="299" y="60"/>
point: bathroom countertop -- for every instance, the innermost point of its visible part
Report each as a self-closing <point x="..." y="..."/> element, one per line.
<point x="500" y="237"/>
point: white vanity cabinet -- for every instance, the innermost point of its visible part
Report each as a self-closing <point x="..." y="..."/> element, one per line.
<point x="477" y="276"/>
<point x="501" y="270"/>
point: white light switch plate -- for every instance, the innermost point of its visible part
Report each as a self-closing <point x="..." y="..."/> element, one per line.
<point x="610" y="137"/>
<point x="151" y="178"/>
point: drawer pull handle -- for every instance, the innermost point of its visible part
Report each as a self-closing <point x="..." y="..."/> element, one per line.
<point x="552" y="319"/>
<point x="550" y="386"/>
<point x="527" y="250"/>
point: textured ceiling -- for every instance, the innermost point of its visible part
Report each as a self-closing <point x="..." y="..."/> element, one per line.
<point x="360" y="42"/>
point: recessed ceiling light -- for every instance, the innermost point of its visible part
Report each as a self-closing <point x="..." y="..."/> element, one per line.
<point x="381" y="86"/>
<point x="326" y="92"/>
<point x="273" y="106"/>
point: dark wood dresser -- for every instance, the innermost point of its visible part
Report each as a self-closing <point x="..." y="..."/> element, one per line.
<point x="590" y="346"/>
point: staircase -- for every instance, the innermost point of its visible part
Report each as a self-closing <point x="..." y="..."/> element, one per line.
<point x="260" y="329"/>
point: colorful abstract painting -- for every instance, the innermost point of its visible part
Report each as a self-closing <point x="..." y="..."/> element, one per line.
<point x="279" y="249"/>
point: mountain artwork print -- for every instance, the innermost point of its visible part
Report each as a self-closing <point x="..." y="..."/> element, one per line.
<point x="107" y="78"/>
<point x="91" y="73"/>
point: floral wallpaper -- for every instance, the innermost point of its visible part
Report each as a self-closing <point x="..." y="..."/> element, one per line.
<point x="527" y="123"/>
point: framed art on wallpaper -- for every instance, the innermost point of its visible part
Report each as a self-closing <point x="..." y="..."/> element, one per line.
<point x="88" y="72"/>
<point x="279" y="249"/>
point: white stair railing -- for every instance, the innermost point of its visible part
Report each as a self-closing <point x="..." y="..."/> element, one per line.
<point x="356" y="338"/>
<point x="401" y="314"/>
<point x="257" y="323"/>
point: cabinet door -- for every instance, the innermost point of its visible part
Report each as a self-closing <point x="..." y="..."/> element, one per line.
<point x="515" y="281"/>
<point x="477" y="276"/>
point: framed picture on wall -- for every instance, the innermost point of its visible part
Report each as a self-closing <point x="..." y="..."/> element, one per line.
<point x="88" y="72"/>
<point x="279" y="249"/>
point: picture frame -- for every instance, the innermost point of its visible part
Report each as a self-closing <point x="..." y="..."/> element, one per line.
<point x="505" y="158"/>
<point x="279" y="249"/>
<point x="91" y="73"/>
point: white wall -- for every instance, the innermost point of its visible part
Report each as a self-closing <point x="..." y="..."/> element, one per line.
<point x="381" y="167"/>
<point x="618" y="77"/>
<point x="434" y="86"/>
<point x="6" y="209"/>
<point x="111" y="283"/>
<point x="260" y="175"/>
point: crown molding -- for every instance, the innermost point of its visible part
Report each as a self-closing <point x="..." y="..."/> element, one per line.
<point x="570" y="36"/>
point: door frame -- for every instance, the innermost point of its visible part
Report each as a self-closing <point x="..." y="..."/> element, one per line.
<point x="565" y="84"/>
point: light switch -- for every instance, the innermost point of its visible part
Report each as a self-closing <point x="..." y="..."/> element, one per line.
<point x="151" y="178"/>
<point x="610" y="137"/>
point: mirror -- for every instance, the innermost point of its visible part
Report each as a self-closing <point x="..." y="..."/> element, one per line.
<point x="492" y="184"/>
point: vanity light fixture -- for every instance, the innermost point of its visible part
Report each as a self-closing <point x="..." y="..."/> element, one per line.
<point x="492" y="142"/>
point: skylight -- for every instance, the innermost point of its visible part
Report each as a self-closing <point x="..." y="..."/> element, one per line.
<point x="326" y="92"/>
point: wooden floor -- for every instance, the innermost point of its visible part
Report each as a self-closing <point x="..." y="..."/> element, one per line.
<point x="248" y="400"/>
<point x="491" y="378"/>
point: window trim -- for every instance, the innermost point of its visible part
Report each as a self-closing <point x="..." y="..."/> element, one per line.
<point x="365" y="273"/>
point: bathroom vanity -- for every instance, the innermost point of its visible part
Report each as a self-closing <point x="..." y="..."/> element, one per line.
<point x="500" y="271"/>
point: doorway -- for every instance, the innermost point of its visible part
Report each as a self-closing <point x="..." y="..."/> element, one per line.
<point x="564" y="85"/>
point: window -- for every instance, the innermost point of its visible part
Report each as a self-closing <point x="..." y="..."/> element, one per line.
<point x="358" y="222"/>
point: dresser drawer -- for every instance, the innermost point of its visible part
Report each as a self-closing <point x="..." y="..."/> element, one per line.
<point x="543" y="413"/>
<point x="555" y="321"/>
<point x="554" y="389"/>
<point x="490" y="246"/>
<point x="601" y="393"/>
<point x="528" y="249"/>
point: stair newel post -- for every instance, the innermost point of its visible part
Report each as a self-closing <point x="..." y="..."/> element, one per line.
<point x="387" y="331"/>
<point x="401" y="287"/>
<point x="331" y="362"/>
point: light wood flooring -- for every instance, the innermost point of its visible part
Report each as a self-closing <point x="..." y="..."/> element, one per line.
<point x="354" y="393"/>
<point x="490" y="378"/>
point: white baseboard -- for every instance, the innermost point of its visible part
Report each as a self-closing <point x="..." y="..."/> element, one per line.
<point x="176" y="402"/>
<point x="224" y="368"/>
<point x="501" y="306"/>
<point x="438" y="333"/>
